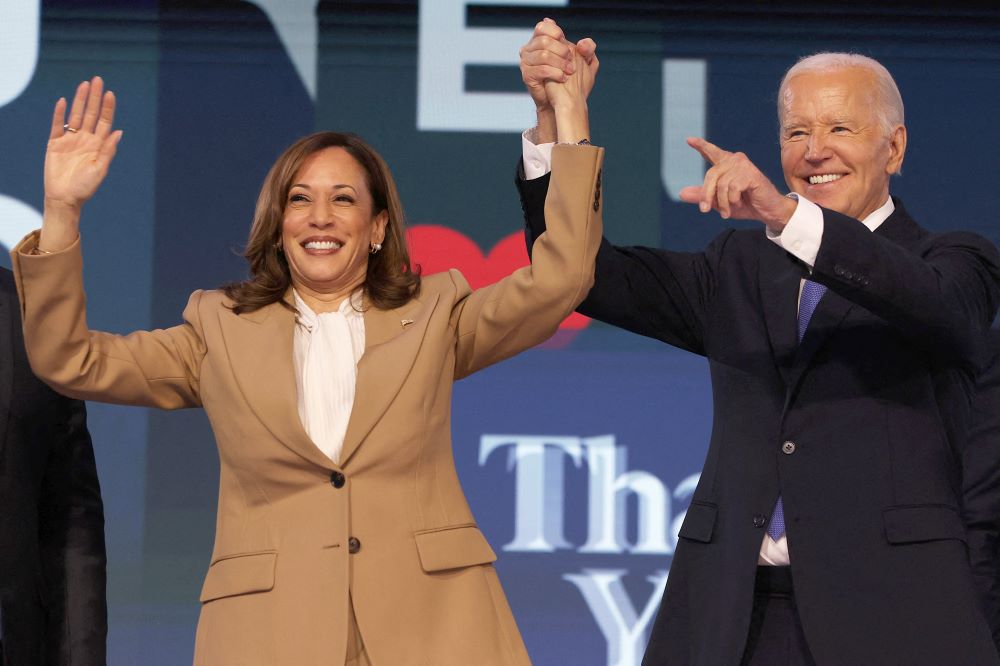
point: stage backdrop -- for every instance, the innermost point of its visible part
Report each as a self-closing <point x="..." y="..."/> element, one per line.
<point x="579" y="457"/>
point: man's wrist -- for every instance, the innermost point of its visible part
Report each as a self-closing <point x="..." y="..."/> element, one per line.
<point x="785" y="211"/>
<point x="545" y="127"/>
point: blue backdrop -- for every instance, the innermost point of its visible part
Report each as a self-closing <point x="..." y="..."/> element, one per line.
<point x="578" y="457"/>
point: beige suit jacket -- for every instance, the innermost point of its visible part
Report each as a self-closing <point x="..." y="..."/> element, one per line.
<point x="298" y="537"/>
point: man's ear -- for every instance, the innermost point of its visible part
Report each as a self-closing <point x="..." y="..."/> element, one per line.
<point x="897" y="149"/>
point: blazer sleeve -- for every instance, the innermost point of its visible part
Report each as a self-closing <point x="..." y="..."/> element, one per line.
<point x="649" y="291"/>
<point x="71" y="539"/>
<point x="981" y="488"/>
<point x="526" y="308"/>
<point x="942" y="294"/>
<point x="150" y="368"/>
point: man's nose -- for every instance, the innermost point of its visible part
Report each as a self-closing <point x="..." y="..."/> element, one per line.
<point x="816" y="147"/>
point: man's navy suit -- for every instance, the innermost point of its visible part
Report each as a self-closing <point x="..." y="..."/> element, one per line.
<point x="982" y="487"/>
<point x="860" y="428"/>
<point x="52" y="556"/>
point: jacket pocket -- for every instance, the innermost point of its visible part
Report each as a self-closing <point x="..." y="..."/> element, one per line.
<point x="242" y="573"/>
<point x="922" y="522"/>
<point x="452" y="548"/>
<point x="699" y="523"/>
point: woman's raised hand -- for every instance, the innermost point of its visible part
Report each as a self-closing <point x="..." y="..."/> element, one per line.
<point x="79" y="153"/>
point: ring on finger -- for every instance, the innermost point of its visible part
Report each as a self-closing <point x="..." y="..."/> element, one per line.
<point x="67" y="128"/>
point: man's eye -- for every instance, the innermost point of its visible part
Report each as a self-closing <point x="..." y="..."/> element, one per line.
<point x="795" y="134"/>
<point x="840" y="129"/>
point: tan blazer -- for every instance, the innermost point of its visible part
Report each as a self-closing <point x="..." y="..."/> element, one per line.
<point x="298" y="537"/>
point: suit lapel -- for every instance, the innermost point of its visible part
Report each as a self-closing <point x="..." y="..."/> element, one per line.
<point x="779" y="276"/>
<point x="392" y="340"/>
<point x="833" y="309"/>
<point x="259" y="345"/>
<point x="829" y="315"/>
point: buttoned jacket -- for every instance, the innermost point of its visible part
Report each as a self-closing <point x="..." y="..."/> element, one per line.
<point x="861" y="429"/>
<point x="298" y="537"/>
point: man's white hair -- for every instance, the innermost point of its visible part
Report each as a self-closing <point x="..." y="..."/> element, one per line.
<point x="888" y="101"/>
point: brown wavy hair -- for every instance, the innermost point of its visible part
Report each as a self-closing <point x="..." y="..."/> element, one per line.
<point x="390" y="281"/>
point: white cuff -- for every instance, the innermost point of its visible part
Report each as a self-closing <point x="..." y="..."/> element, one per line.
<point x="803" y="233"/>
<point x="537" y="159"/>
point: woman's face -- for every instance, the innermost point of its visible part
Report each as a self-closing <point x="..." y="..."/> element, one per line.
<point x="329" y="226"/>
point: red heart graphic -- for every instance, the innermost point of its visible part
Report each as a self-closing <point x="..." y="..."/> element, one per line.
<point x="437" y="248"/>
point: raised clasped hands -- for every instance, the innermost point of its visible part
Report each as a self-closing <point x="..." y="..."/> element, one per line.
<point x="79" y="152"/>
<point x="736" y="188"/>
<point x="559" y="76"/>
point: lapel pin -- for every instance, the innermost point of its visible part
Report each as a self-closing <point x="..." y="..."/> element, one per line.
<point x="405" y="322"/>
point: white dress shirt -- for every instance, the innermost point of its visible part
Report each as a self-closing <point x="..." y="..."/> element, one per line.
<point x="801" y="237"/>
<point x="326" y="351"/>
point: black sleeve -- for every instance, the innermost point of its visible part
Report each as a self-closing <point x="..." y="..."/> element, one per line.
<point x="942" y="296"/>
<point x="71" y="526"/>
<point x="656" y="293"/>
<point x="981" y="492"/>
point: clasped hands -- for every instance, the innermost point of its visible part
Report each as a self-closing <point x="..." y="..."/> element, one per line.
<point x="733" y="185"/>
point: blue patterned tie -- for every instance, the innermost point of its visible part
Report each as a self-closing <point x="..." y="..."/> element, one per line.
<point x="812" y="292"/>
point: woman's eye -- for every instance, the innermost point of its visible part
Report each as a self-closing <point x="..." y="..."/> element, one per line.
<point x="297" y="198"/>
<point x="343" y="198"/>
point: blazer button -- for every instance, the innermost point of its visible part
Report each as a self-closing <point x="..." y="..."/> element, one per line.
<point x="788" y="448"/>
<point x="337" y="479"/>
<point x="759" y="520"/>
<point x="353" y="545"/>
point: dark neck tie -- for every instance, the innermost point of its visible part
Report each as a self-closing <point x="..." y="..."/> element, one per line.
<point x="812" y="292"/>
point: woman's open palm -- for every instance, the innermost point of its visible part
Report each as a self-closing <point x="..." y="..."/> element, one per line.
<point x="81" y="147"/>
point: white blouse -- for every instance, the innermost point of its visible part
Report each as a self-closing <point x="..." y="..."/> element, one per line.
<point x="326" y="351"/>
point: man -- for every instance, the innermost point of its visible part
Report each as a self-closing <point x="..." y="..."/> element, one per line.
<point x="52" y="558"/>
<point x="982" y="488"/>
<point x="843" y="342"/>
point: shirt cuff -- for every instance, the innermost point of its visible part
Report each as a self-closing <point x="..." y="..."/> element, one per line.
<point x="537" y="158"/>
<point x="803" y="233"/>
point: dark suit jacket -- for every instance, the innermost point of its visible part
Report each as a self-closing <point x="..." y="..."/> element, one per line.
<point x="982" y="488"/>
<point x="876" y="402"/>
<point x="52" y="558"/>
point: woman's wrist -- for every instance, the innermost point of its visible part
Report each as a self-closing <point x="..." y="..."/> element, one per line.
<point x="572" y="123"/>
<point x="60" y="227"/>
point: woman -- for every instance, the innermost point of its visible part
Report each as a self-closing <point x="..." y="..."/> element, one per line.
<point x="343" y="535"/>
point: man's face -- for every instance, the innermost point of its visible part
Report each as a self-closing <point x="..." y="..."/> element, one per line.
<point x="834" y="151"/>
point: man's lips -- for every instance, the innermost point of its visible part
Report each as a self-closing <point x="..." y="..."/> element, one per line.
<point x="823" y="178"/>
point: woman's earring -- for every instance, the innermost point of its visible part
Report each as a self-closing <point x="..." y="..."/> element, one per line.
<point x="278" y="247"/>
<point x="375" y="248"/>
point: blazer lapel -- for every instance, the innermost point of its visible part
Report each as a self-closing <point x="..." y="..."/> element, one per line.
<point x="833" y="308"/>
<point x="392" y="340"/>
<point x="827" y="318"/>
<point x="259" y="345"/>
<point x="779" y="277"/>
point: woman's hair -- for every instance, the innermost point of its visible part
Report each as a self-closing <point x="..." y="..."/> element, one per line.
<point x="389" y="280"/>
